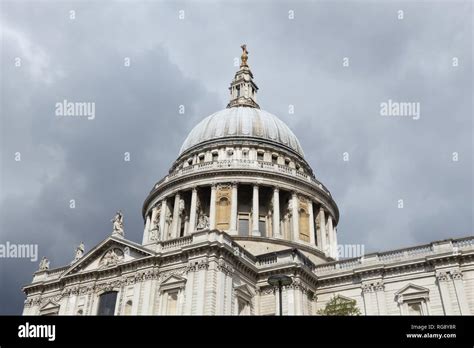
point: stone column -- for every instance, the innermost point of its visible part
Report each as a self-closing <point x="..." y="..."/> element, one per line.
<point x="276" y="213"/>
<point x="295" y="220"/>
<point x="379" y="289"/>
<point x="335" y="242"/>
<point x="212" y="208"/>
<point x="255" y="214"/>
<point x="456" y="275"/>
<point x="233" y="209"/>
<point x="164" y="207"/>
<point x="312" y="240"/>
<point x="443" y="280"/>
<point x="146" y="232"/>
<point x="174" y="224"/>
<point x="331" y="236"/>
<point x="193" y="212"/>
<point x="322" y="230"/>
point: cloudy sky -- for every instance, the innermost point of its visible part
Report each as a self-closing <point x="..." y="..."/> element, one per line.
<point x="49" y="54"/>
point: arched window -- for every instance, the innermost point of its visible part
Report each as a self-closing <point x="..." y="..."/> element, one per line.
<point x="107" y="303"/>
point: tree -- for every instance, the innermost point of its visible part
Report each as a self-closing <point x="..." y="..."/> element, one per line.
<point x="340" y="306"/>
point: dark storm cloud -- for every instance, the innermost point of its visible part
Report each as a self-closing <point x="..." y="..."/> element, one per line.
<point x="190" y="62"/>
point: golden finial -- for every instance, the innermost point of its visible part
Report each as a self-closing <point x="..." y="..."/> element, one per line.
<point x="244" y="56"/>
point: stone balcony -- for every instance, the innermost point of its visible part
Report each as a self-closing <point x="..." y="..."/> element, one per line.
<point x="239" y="164"/>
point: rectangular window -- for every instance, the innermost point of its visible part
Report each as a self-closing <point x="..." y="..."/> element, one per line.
<point x="172" y="303"/>
<point x="414" y="308"/>
<point x="107" y="303"/>
<point x="243" y="307"/>
<point x="262" y="226"/>
<point x="260" y="156"/>
<point x="243" y="226"/>
<point x="215" y="156"/>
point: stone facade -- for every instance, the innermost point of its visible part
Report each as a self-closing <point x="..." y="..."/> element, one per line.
<point x="241" y="204"/>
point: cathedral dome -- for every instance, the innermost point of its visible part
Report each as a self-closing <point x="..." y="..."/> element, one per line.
<point x="242" y="122"/>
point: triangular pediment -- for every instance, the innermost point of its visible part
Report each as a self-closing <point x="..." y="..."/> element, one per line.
<point x="244" y="290"/>
<point x="173" y="279"/>
<point x="108" y="253"/>
<point x="344" y="298"/>
<point x="411" y="289"/>
<point x="49" y="305"/>
<point x="172" y="282"/>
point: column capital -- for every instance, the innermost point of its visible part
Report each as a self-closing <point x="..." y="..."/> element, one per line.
<point x="442" y="276"/>
<point x="276" y="188"/>
<point x="235" y="183"/>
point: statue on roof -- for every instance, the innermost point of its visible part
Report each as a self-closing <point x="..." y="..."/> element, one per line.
<point x="244" y="56"/>
<point x="118" y="223"/>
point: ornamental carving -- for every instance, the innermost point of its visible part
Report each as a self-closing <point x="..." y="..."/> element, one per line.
<point x="456" y="274"/>
<point x="225" y="267"/>
<point x="372" y="287"/>
<point x="442" y="276"/>
<point x="111" y="257"/>
<point x="197" y="266"/>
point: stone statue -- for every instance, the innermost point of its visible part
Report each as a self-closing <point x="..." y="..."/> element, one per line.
<point x="44" y="264"/>
<point x="118" y="223"/>
<point x="155" y="233"/>
<point x="181" y="206"/>
<point x="244" y="56"/>
<point x="203" y="222"/>
<point x="79" y="251"/>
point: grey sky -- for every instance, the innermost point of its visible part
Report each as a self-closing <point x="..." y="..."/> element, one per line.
<point x="191" y="62"/>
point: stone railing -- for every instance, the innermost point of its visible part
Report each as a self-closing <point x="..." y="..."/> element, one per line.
<point x="284" y="257"/>
<point x="49" y="273"/>
<point x="439" y="247"/>
<point x="242" y="164"/>
<point x="176" y="243"/>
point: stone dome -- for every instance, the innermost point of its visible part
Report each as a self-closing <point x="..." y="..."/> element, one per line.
<point x="243" y="122"/>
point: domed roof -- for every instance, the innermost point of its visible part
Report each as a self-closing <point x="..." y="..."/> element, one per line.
<point x="245" y="122"/>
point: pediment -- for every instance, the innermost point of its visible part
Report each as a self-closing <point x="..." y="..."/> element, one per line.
<point x="344" y="298"/>
<point x="411" y="289"/>
<point x="244" y="291"/>
<point x="173" y="282"/>
<point x="109" y="253"/>
<point x="50" y="305"/>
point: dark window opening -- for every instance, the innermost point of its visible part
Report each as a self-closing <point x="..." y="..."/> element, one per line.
<point x="107" y="303"/>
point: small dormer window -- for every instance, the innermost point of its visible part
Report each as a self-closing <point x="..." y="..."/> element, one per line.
<point x="287" y="161"/>
<point x="201" y="158"/>
<point x="259" y="156"/>
<point x="274" y="158"/>
<point x="215" y="156"/>
<point x="190" y="161"/>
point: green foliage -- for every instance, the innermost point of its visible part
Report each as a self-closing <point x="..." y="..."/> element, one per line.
<point x="340" y="306"/>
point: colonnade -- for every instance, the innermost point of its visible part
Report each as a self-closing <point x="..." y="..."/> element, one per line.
<point x="269" y="211"/>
